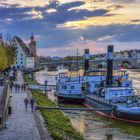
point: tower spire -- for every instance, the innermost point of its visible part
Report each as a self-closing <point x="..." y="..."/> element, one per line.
<point x="32" y="45"/>
<point x="32" y="36"/>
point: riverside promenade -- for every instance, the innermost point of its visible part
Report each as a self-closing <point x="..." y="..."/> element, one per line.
<point x="20" y="124"/>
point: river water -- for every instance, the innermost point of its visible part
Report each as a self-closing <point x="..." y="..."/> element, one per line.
<point x="92" y="126"/>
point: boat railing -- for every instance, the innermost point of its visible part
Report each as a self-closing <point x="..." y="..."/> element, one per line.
<point x="94" y="96"/>
<point x="134" y="88"/>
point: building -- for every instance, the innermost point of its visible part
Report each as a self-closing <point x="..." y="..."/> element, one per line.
<point x="32" y="46"/>
<point x="24" y="59"/>
<point x="135" y="53"/>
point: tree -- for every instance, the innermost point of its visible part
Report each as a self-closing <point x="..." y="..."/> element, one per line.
<point x="11" y="55"/>
<point x="7" y="53"/>
<point x="3" y="59"/>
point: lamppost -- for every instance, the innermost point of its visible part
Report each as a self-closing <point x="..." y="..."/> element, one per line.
<point x="46" y="82"/>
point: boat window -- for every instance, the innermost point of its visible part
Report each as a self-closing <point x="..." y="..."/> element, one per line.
<point x="72" y="87"/>
<point x="127" y="85"/>
<point x="119" y="73"/>
<point x="89" y="85"/>
<point x="96" y="73"/>
<point x="65" y="87"/>
<point x="96" y="85"/>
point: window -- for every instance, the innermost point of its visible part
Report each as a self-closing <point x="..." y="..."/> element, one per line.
<point x="64" y="87"/>
<point x="21" y="54"/>
<point x="21" y="58"/>
<point x="96" y="85"/>
<point x="72" y="87"/>
<point x="21" y="62"/>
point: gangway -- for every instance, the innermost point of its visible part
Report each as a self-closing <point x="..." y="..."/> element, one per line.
<point x="49" y="87"/>
<point x="72" y="109"/>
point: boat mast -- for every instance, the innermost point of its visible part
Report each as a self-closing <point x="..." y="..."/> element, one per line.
<point x="77" y="62"/>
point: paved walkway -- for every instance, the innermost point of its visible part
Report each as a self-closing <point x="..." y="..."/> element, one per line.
<point x="20" y="124"/>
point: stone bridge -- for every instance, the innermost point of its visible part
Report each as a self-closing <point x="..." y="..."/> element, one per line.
<point x="100" y="63"/>
<point x="125" y="62"/>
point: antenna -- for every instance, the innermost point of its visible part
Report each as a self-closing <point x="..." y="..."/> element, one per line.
<point x="77" y="54"/>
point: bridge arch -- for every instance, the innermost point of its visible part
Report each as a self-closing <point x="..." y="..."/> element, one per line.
<point x="126" y="64"/>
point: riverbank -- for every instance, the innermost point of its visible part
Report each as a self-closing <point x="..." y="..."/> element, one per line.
<point x="59" y="125"/>
<point x="93" y="125"/>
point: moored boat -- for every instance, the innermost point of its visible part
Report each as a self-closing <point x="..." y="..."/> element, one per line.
<point x="103" y="89"/>
<point x="122" y="99"/>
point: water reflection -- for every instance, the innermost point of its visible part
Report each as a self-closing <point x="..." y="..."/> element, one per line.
<point x="92" y="126"/>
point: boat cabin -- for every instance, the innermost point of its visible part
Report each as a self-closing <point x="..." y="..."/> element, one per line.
<point x="116" y="92"/>
<point x="70" y="83"/>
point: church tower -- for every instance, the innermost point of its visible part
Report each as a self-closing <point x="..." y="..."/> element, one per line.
<point x="32" y="46"/>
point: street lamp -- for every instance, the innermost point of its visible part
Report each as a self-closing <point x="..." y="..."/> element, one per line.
<point x="46" y="83"/>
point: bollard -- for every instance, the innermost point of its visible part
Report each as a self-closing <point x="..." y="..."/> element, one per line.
<point x="46" y="87"/>
<point x="10" y="110"/>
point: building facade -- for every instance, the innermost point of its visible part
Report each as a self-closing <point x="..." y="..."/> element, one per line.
<point x="24" y="57"/>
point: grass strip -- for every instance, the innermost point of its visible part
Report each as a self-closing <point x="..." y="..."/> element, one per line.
<point x="58" y="124"/>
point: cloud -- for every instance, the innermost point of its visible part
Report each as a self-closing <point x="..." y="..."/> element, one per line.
<point x="107" y="38"/>
<point x="115" y="7"/>
<point x="62" y="16"/>
<point x="45" y="21"/>
<point x="94" y="48"/>
<point x="122" y="33"/>
<point x="124" y="1"/>
<point x="135" y="20"/>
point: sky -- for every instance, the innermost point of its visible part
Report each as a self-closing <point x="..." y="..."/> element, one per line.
<point x="62" y="26"/>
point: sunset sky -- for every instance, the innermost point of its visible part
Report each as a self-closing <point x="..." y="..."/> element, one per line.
<point x="60" y="27"/>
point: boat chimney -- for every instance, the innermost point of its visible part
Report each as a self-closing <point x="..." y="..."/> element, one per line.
<point x="110" y="65"/>
<point x="86" y="61"/>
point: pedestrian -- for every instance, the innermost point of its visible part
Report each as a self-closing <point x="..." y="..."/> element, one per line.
<point x="24" y="87"/>
<point x="120" y="81"/>
<point x="26" y="102"/>
<point x="32" y="101"/>
<point x="16" y="87"/>
<point x="11" y="86"/>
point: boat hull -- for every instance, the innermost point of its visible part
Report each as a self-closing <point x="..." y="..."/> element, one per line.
<point x="70" y="98"/>
<point x="114" y="114"/>
<point x="127" y="116"/>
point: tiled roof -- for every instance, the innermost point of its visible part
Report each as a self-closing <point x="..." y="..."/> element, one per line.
<point x="23" y="46"/>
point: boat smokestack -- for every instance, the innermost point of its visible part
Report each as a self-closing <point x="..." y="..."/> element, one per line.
<point x="110" y="65"/>
<point x="86" y="61"/>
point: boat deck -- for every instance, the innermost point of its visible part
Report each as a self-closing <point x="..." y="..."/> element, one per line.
<point x="119" y="103"/>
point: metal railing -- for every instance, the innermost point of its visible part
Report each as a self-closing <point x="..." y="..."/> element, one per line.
<point x="4" y="103"/>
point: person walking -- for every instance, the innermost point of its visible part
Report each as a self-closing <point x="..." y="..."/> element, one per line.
<point x="11" y="86"/>
<point x="16" y="87"/>
<point x="24" y="87"/>
<point x="32" y="101"/>
<point x="26" y="102"/>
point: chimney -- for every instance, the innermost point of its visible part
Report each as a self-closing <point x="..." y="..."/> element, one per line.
<point x="110" y="65"/>
<point x="86" y="61"/>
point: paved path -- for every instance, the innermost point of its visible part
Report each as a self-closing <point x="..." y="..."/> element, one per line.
<point x="20" y="124"/>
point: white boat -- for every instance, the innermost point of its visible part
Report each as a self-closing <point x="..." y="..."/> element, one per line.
<point x="61" y="69"/>
<point x="71" y="86"/>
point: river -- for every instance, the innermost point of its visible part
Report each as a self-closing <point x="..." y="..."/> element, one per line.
<point x="92" y="126"/>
